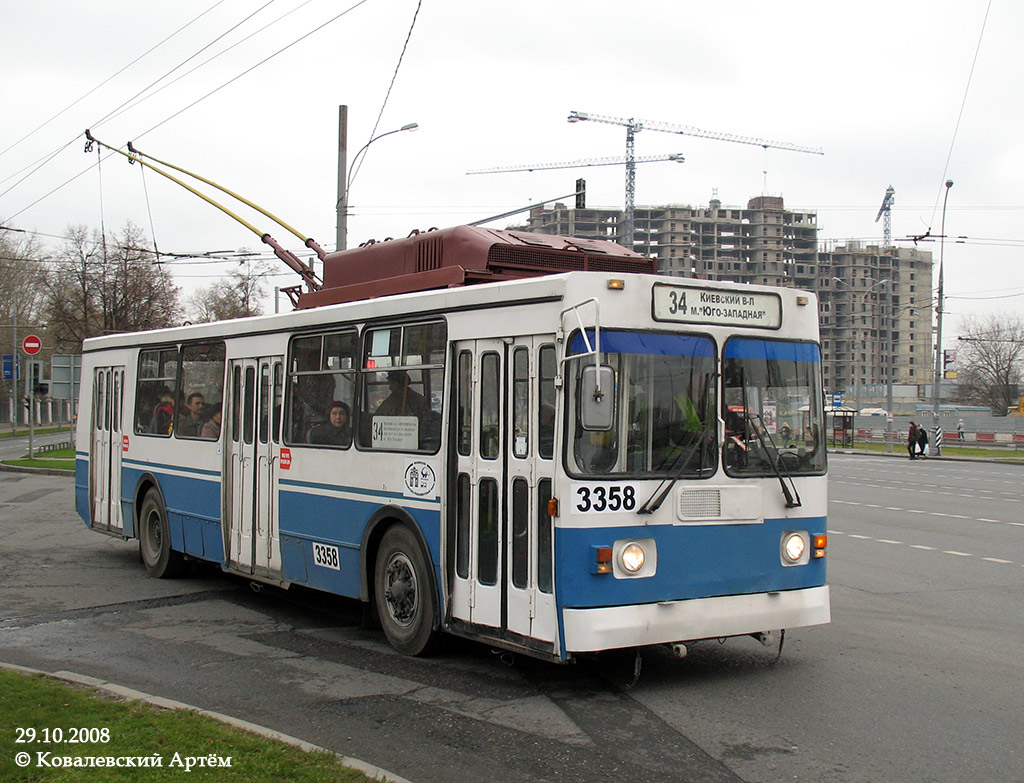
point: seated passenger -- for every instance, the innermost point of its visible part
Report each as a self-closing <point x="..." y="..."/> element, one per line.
<point x="337" y="430"/>
<point x="190" y="424"/>
<point x="402" y="401"/>
<point x="162" y="419"/>
<point x="211" y="429"/>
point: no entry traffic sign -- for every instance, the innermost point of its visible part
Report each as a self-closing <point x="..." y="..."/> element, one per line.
<point x="31" y="345"/>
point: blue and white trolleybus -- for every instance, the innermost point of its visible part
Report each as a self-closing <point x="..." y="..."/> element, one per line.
<point x="475" y="443"/>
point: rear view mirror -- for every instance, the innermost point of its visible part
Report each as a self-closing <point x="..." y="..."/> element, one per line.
<point x="597" y="397"/>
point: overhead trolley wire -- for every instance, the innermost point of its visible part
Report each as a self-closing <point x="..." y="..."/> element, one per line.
<point x="253" y="67"/>
<point x="960" y="115"/>
<point x="191" y="105"/>
<point x="123" y="107"/>
<point x="394" y="76"/>
<point x="109" y="78"/>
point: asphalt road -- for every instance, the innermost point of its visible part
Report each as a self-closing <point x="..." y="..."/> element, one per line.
<point x="17" y="447"/>
<point x="919" y="677"/>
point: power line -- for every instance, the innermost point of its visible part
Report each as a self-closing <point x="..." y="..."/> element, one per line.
<point x="392" y="84"/>
<point x="183" y="110"/>
<point x="959" y="117"/>
<point x="110" y="78"/>
<point x="253" y="67"/>
<point x="125" y="107"/>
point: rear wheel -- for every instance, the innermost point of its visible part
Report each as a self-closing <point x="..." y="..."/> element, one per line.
<point x="406" y="602"/>
<point x="155" y="539"/>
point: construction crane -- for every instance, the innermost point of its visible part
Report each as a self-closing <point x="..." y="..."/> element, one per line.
<point x="634" y="126"/>
<point x="572" y="164"/>
<point x="886" y="211"/>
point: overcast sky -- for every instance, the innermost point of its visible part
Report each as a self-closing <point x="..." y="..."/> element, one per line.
<point x="880" y="87"/>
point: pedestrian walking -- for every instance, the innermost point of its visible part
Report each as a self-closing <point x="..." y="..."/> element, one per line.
<point x="912" y="440"/>
<point x="922" y="441"/>
<point x="960" y="430"/>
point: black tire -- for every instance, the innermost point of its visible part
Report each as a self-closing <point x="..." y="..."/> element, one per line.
<point x="404" y="593"/>
<point x="155" y="540"/>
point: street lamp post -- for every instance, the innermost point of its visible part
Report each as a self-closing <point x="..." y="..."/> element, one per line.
<point x="937" y="381"/>
<point x="347" y="174"/>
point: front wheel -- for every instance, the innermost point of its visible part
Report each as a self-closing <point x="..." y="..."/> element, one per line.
<point x="155" y="540"/>
<point x="406" y="603"/>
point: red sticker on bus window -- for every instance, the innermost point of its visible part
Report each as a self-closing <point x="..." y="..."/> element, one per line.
<point x="286" y="459"/>
<point x="124" y="443"/>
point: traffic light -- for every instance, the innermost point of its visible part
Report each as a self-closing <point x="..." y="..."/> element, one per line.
<point x="949" y="366"/>
<point x="38" y="387"/>
<point x="581" y="194"/>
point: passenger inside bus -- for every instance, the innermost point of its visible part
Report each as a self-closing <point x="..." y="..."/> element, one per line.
<point x="211" y="428"/>
<point x="190" y="423"/>
<point x="403" y="400"/>
<point x="337" y="430"/>
<point x="163" y="413"/>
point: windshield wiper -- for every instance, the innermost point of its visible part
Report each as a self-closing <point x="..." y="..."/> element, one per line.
<point x="653" y="503"/>
<point x="776" y="463"/>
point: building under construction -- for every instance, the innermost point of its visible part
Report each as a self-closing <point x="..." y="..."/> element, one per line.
<point x="863" y="289"/>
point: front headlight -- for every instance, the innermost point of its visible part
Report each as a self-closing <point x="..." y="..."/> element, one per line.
<point x="794" y="547"/>
<point x="632" y="557"/>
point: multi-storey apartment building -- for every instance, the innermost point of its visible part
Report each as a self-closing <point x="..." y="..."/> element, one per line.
<point x="863" y="290"/>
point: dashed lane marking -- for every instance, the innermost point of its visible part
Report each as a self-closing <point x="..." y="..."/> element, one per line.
<point x="921" y="547"/>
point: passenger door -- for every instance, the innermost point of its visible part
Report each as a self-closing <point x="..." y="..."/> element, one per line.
<point x="499" y="515"/>
<point x="529" y="398"/>
<point x="252" y="446"/>
<point x="105" y="449"/>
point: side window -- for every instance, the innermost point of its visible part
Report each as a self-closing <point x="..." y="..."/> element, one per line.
<point x="545" y="561"/>
<point x="321" y="389"/>
<point x="487" y="533"/>
<point x="521" y="402"/>
<point x="202" y="391"/>
<point x="490" y="406"/>
<point x="465" y="403"/>
<point x="546" y="402"/>
<point x="402" y="377"/>
<point x="154" y="392"/>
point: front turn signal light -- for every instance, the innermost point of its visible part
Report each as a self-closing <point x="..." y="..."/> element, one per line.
<point x="820" y="545"/>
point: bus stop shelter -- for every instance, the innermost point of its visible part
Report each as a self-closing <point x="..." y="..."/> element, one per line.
<point x="841" y="419"/>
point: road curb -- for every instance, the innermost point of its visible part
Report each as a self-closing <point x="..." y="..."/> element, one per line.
<point x="37" y="471"/>
<point x="377" y="773"/>
<point x="895" y="455"/>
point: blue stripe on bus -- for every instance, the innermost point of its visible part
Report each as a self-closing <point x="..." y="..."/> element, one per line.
<point x="647" y="343"/>
<point x="694" y="561"/>
<point x="771" y="350"/>
<point x="192" y="502"/>
<point x="339" y="522"/>
<point x="144" y="465"/>
<point x="374" y="493"/>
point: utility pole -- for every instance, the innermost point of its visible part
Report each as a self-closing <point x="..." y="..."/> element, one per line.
<point x="937" y="382"/>
<point x="341" y="242"/>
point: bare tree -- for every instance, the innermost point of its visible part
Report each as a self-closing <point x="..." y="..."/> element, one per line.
<point x="105" y="285"/>
<point x="238" y="295"/>
<point x="991" y="361"/>
<point x="21" y="293"/>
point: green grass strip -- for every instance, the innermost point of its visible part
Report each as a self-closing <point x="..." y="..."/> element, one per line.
<point x="134" y="741"/>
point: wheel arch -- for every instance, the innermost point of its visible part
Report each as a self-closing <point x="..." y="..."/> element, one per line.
<point x="378" y="524"/>
<point x="147" y="481"/>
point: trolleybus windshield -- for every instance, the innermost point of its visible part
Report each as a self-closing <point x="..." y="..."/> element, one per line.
<point x="772" y="407"/>
<point x="664" y="419"/>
